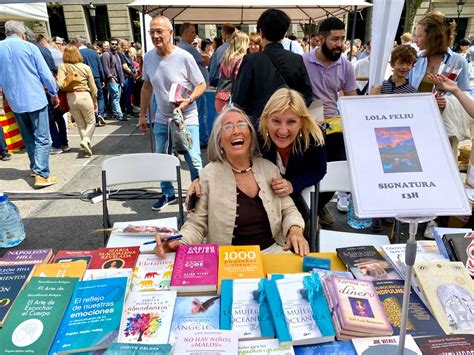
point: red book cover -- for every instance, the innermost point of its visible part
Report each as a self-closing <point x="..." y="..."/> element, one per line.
<point x="195" y="268"/>
<point x="115" y="258"/>
<point x="65" y="256"/>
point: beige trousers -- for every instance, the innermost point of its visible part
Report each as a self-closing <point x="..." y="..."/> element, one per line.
<point x="82" y="109"/>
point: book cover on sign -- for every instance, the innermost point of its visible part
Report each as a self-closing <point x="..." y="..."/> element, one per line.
<point x="240" y="262"/>
<point x="366" y="263"/>
<point x="36" y="314"/>
<point x="449" y="290"/>
<point x="462" y="344"/>
<point x="92" y="319"/>
<point x="195" y="268"/>
<point x="385" y="345"/>
<point x="420" y="320"/>
<point x="194" y="313"/>
<point x="12" y="280"/>
<point x="146" y="317"/>
<point x="62" y="256"/>
<point x="70" y="269"/>
<point x="138" y="349"/>
<point x="152" y="273"/>
<point x="115" y="258"/>
<point x="358" y="308"/>
<point x="215" y="342"/>
<point x="26" y="256"/>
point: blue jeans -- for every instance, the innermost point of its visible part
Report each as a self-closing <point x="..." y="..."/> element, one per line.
<point x="100" y="97"/>
<point x="192" y="157"/>
<point x="3" y="142"/>
<point x="202" y="113"/>
<point x="114" y="93"/>
<point x="57" y="126"/>
<point x="127" y="94"/>
<point x="34" y="128"/>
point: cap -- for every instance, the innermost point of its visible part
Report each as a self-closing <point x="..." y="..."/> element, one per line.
<point x="58" y="40"/>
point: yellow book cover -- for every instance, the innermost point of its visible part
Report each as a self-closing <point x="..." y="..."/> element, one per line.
<point x="240" y="262"/>
<point x="450" y="293"/>
<point x="70" y="269"/>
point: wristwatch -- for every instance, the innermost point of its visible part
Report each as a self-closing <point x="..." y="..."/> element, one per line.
<point x="190" y="100"/>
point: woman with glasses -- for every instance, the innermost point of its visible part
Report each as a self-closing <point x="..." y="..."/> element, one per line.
<point x="237" y="204"/>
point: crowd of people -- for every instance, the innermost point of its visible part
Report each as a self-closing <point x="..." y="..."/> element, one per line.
<point x="267" y="143"/>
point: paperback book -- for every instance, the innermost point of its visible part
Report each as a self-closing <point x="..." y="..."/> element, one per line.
<point x="264" y="346"/>
<point x="26" y="256"/>
<point x="340" y="347"/>
<point x="461" y="246"/>
<point x="439" y="232"/>
<point x="72" y="269"/>
<point x="195" y="269"/>
<point x="462" y="344"/>
<point x="178" y="92"/>
<point x="449" y="290"/>
<point x="12" y="280"/>
<point x="146" y="317"/>
<point x="115" y="258"/>
<point x="92" y="319"/>
<point x="240" y="262"/>
<point x="385" y="345"/>
<point x="152" y="273"/>
<point x="62" y="256"/>
<point x="138" y="349"/>
<point x="366" y="263"/>
<point x="36" y="314"/>
<point x="194" y="313"/>
<point x="215" y="342"/>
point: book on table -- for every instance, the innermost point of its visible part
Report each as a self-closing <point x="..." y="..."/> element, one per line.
<point x="152" y="273"/>
<point x="264" y="346"/>
<point x="67" y="269"/>
<point x="116" y="348"/>
<point x="240" y="262"/>
<point x="36" y="314"/>
<point x="385" y="345"/>
<point x="194" y="313"/>
<point x="449" y="291"/>
<point x="115" y="258"/>
<point x="62" y="256"/>
<point x="146" y="317"/>
<point x="13" y="279"/>
<point x="215" y="342"/>
<point x="92" y="319"/>
<point x="439" y="232"/>
<point x="26" y="256"/>
<point x="447" y="344"/>
<point x="461" y="247"/>
<point x="341" y="347"/>
<point x="195" y="269"/>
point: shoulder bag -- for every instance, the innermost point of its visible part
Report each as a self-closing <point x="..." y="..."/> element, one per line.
<point x="180" y="135"/>
<point x="71" y="80"/>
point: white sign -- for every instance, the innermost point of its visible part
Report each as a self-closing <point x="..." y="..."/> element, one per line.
<point x="400" y="160"/>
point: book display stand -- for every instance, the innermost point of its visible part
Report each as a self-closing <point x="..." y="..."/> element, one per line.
<point x="410" y="257"/>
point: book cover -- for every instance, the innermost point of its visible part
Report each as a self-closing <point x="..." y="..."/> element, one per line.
<point x="366" y="263"/>
<point x="152" y="273"/>
<point x="92" y="319"/>
<point x="438" y="233"/>
<point x="146" y="317"/>
<point x="385" y="345"/>
<point x="138" y="349"/>
<point x="322" y="273"/>
<point x="420" y="320"/>
<point x="397" y="150"/>
<point x="63" y="256"/>
<point x="12" y="280"/>
<point x="240" y="262"/>
<point x="215" y="342"/>
<point x="447" y="344"/>
<point x="462" y="247"/>
<point x="358" y="308"/>
<point x="194" y="313"/>
<point x="72" y="269"/>
<point x="331" y="348"/>
<point x="195" y="268"/>
<point x="177" y="92"/>
<point x="36" y="315"/>
<point x="264" y="346"/>
<point x="26" y="256"/>
<point x="98" y="274"/>
<point x="449" y="290"/>
<point x="115" y="258"/>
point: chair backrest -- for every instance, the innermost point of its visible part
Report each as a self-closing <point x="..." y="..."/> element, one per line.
<point x="142" y="167"/>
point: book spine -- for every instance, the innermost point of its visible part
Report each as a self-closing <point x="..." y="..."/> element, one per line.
<point x="440" y="244"/>
<point x="449" y="249"/>
<point x="227" y="289"/>
<point x="276" y="310"/>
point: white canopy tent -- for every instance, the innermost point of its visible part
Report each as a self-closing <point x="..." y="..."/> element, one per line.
<point x="24" y="12"/>
<point x="245" y="11"/>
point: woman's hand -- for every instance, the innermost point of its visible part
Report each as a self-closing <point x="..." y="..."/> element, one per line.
<point x="162" y="248"/>
<point x="297" y="240"/>
<point x="195" y="188"/>
<point x="281" y="187"/>
<point x="443" y="83"/>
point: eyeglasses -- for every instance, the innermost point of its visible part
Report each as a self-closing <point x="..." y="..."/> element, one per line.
<point x="157" y="32"/>
<point x="229" y="127"/>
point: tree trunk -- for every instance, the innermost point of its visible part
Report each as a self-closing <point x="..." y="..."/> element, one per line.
<point x="410" y="13"/>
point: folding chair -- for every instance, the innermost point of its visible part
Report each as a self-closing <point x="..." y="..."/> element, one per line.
<point x="137" y="168"/>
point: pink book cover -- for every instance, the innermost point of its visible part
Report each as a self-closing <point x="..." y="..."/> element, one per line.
<point x="195" y="266"/>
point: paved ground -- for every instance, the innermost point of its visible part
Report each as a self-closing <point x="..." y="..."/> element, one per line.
<point x="57" y="217"/>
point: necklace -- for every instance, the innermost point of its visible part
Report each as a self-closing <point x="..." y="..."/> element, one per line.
<point x="242" y="171"/>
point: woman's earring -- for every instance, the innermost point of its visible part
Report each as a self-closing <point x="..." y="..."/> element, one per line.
<point x="301" y="135"/>
<point x="221" y="151"/>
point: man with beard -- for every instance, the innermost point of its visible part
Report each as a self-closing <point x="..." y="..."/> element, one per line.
<point x="331" y="74"/>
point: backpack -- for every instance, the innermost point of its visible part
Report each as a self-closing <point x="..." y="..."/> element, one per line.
<point x="180" y="135"/>
<point x="71" y="80"/>
<point x="224" y="88"/>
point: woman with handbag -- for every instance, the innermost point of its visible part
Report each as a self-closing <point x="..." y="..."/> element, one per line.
<point x="77" y="80"/>
<point x="229" y="68"/>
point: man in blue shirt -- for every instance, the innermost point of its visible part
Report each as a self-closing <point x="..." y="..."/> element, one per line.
<point x="188" y="34"/>
<point x="228" y="30"/>
<point x="23" y="77"/>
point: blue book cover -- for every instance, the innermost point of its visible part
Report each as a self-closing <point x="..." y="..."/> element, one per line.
<point x="194" y="313"/>
<point x="137" y="349"/>
<point x="92" y="319"/>
<point x="331" y="348"/>
<point x="12" y="280"/>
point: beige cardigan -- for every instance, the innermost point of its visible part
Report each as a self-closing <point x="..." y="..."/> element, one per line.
<point x="216" y="208"/>
<point x="82" y="69"/>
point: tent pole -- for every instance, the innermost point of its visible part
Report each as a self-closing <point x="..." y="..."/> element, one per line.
<point x="353" y="32"/>
<point x="150" y="121"/>
<point x="144" y="31"/>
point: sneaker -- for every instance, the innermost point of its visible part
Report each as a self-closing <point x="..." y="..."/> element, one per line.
<point x="326" y="217"/>
<point x="123" y="119"/>
<point x="102" y="120"/>
<point x="163" y="201"/>
<point x="377" y="225"/>
<point x="87" y="147"/>
<point x="343" y="202"/>
<point x="428" y="234"/>
<point x="55" y="151"/>
<point x="135" y="109"/>
<point x="6" y="156"/>
<point x="41" y="182"/>
<point x="65" y="148"/>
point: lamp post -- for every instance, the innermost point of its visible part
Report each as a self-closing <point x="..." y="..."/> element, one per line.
<point x="460" y="6"/>
<point x="92" y="9"/>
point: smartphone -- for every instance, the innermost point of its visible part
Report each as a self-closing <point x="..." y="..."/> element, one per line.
<point x="192" y="201"/>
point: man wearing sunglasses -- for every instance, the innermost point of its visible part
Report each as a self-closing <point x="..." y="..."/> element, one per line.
<point x="114" y="76"/>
